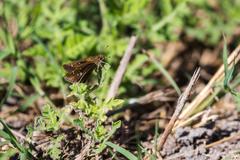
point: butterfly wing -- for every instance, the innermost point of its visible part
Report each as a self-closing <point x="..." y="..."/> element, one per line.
<point x="73" y="65"/>
<point x="79" y="71"/>
<point x="87" y="72"/>
<point x="80" y="74"/>
<point x="71" y="77"/>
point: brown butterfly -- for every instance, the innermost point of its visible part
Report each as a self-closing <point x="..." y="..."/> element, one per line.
<point x="80" y="71"/>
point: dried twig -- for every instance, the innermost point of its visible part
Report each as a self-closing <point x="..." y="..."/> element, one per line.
<point x="158" y="95"/>
<point x="208" y="90"/>
<point x="191" y="119"/>
<point x="18" y="134"/>
<point x="230" y="138"/>
<point x="121" y="68"/>
<point x="180" y="104"/>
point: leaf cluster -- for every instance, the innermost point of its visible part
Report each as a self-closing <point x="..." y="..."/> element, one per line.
<point x="55" y="34"/>
<point x="91" y="118"/>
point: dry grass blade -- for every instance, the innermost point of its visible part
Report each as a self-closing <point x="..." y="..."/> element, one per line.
<point x="207" y="91"/>
<point x="121" y="68"/>
<point x="189" y="120"/>
<point x="226" y="139"/>
<point x="180" y="104"/>
<point x="157" y="95"/>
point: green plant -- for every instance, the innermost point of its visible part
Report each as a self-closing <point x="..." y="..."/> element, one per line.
<point x="93" y="109"/>
<point x="230" y="74"/>
<point x="6" y="133"/>
<point x="37" y="31"/>
<point x="54" y="150"/>
<point x="50" y="119"/>
<point x="73" y="30"/>
<point x="123" y="151"/>
<point x="91" y="117"/>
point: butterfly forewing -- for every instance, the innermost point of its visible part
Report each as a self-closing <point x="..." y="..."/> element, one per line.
<point x="79" y="71"/>
<point x="73" y="65"/>
<point x="77" y="75"/>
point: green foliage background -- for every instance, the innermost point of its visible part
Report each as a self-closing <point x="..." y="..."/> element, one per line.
<point x="37" y="37"/>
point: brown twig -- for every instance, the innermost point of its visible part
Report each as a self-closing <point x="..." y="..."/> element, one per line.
<point x="180" y="104"/>
<point x="191" y="119"/>
<point x="234" y="58"/>
<point x="158" y="95"/>
<point x="18" y="134"/>
<point x="121" y="68"/>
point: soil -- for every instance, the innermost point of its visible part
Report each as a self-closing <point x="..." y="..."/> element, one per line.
<point x="198" y="143"/>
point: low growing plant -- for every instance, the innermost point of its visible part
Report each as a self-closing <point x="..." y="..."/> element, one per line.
<point x="90" y="118"/>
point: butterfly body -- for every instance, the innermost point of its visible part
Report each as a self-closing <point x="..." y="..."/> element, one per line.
<point x="79" y="71"/>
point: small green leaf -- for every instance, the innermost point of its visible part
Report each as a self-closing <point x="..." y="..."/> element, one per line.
<point x="50" y="120"/>
<point x="123" y="151"/>
<point x="54" y="148"/>
<point x="79" y="89"/>
<point x="226" y="71"/>
<point x="28" y="101"/>
<point x="12" y="80"/>
<point x="79" y="122"/>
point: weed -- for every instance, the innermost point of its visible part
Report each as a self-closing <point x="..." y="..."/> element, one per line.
<point x="91" y="118"/>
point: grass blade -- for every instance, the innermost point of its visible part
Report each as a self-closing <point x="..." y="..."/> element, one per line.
<point x="3" y="55"/>
<point x="28" y="101"/>
<point x="6" y="133"/>
<point x="123" y="151"/>
<point x="165" y="73"/>
<point x="167" y="19"/>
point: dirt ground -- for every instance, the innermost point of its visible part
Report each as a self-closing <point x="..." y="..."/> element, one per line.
<point x="214" y="139"/>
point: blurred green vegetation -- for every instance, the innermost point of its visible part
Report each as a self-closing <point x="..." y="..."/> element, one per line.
<point x="37" y="37"/>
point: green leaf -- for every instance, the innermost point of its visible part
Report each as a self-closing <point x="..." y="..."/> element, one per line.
<point x="110" y="104"/>
<point x="123" y="151"/>
<point x="79" y="89"/>
<point x="169" y="18"/>
<point x="226" y="71"/>
<point x="6" y="133"/>
<point x="7" y="154"/>
<point x="54" y="149"/>
<point x="50" y="120"/>
<point x="3" y="54"/>
<point x="28" y="101"/>
<point x="11" y="44"/>
<point x="12" y="80"/>
<point x="37" y="85"/>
